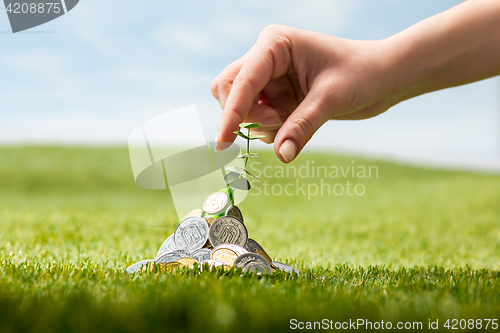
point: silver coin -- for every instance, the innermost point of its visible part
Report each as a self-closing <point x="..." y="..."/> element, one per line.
<point x="171" y="255"/>
<point x="251" y="262"/>
<point x="239" y="250"/>
<point x="168" y="244"/>
<point x="285" y="268"/>
<point x="215" y="202"/>
<point x="253" y="246"/>
<point x="228" y="229"/>
<point x="234" y="211"/>
<point x="137" y="266"/>
<point x="201" y="255"/>
<point x="191" y="234"/>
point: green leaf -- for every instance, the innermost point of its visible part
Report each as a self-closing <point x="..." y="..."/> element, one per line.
<point x="240" y="184"/>
<point x="242" y="135"/>
<point x="235" y="169"/>
<point x="230" y="176"/>
<point x="251" y="155"/>
<point x="249" y="125"/>
<point x="255" y="136"/>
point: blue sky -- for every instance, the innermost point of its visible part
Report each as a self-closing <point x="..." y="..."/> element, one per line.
<point x="96" y="73"/>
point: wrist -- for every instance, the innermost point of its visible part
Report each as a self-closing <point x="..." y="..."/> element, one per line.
<point x="409" y="69"/>
<point x="455" y="47"/>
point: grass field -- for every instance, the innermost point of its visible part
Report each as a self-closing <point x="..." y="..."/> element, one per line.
<point x="420" y="244"/>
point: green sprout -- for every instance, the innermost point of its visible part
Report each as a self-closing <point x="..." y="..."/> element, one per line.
<point x="234" y="178"/>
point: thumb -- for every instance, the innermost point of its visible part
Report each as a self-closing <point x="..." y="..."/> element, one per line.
<point x="302" y="123"/>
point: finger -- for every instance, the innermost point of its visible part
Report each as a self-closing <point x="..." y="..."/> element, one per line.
<point x="276" y="87"/>
<point x="269" y="135"/>
<point x="265" y="116"/>
<point x="300" y="126"/>
<point x="269" y="119"/>
<point x="268" y="58"/>
<point x="252" y="77"/>
<point x="221" y="85"/>
<point x="279" y="94"/>
<point x="275" y="103"/>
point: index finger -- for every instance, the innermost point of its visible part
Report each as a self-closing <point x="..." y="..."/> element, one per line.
<point x="269" y="58"/>
<point x="251" y="79"/>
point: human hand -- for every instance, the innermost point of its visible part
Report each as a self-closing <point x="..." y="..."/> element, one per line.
<point x="292" y="81"/>
<point x="302" y="78"/>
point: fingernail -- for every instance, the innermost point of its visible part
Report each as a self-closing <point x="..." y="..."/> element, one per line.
<point x="217" y="148"/>
<point x="288" y="150"/>
<point x="271" y="121"/>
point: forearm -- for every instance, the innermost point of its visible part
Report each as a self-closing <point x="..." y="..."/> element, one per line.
<point x="455" y="47"/>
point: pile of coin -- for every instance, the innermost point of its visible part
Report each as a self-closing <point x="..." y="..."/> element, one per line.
<point x="215" y="236"/>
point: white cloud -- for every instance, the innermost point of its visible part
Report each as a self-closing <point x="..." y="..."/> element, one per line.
<point x="325" y="16"/>
<point x="195" y="40"/>
<point x="238" y="28"/>
<point x="50" y="67"/>
<point x="101" y="75"/>
<point x="167" y="78"/>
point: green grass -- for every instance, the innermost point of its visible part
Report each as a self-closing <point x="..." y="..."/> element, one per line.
<point x="420" y="244"/>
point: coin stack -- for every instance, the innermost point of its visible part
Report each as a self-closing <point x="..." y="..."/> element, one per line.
<point x="215" y="236"/>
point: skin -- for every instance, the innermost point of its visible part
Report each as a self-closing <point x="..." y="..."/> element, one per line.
<point x="292" y="81"/>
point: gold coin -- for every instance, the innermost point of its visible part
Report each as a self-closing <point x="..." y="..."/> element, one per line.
<point x="209" y="220"/>
<point x="170" y="266"/>
<point x="148" y="266"/>
<point x="225" y="255"/>
<point x="189" y="262"/>
<point x="194" y="212"/>
<point x="266" y="256"/>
